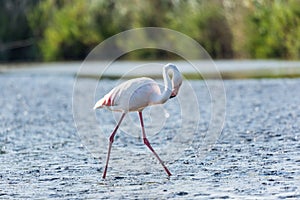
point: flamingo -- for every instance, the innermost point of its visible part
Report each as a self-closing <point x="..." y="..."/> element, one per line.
<point x="135" y="95"/>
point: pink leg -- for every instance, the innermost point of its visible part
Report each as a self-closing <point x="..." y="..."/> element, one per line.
<point x="111" y="140"/>
<point x="147" y="143"/>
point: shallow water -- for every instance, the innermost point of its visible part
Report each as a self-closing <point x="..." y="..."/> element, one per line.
<point x="42" y="155"/>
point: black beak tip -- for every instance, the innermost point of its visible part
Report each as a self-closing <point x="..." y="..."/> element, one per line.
<point x="172" y="96"/>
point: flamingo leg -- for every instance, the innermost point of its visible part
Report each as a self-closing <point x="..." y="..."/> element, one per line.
<point x="111" y="140"/>
<point x="147" y="143"/>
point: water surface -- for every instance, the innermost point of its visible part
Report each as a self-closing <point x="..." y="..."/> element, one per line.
<point x="42" y="155"/>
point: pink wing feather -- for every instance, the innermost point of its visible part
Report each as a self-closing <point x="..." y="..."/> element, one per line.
<point x="105" y="101"/>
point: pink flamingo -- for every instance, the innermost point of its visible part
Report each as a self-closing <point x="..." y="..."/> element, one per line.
<point x="135" y="95"/>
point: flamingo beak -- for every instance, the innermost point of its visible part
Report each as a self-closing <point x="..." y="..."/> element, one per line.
<point x="173" y="94"/>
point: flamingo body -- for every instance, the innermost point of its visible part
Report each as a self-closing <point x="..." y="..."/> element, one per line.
<point x="132" y="95"/>
<point x="135" y="95"/>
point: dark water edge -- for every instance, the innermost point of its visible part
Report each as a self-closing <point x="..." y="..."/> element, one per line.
<point x="41" y="155"/>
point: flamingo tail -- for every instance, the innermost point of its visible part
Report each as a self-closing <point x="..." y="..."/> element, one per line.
<point x="105" y="101"/>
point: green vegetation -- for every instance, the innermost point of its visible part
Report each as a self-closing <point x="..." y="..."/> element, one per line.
<point x="32" y="30"/>
<point x="277" y="28"/>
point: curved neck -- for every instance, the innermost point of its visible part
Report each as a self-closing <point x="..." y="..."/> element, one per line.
<point x="168" y="86"/>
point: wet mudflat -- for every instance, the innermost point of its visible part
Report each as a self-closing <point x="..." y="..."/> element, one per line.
<point x="42" y="155"/>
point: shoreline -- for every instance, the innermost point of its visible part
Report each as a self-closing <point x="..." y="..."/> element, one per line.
<point x="227" y="69"/>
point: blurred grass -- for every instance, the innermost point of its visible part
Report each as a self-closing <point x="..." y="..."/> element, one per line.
<point x="52" y="30"/>
<point x="245" y="74"/>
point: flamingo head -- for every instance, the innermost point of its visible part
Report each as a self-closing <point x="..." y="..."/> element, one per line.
<point x="175" y="90"/>
<point x="176" y="80"/>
